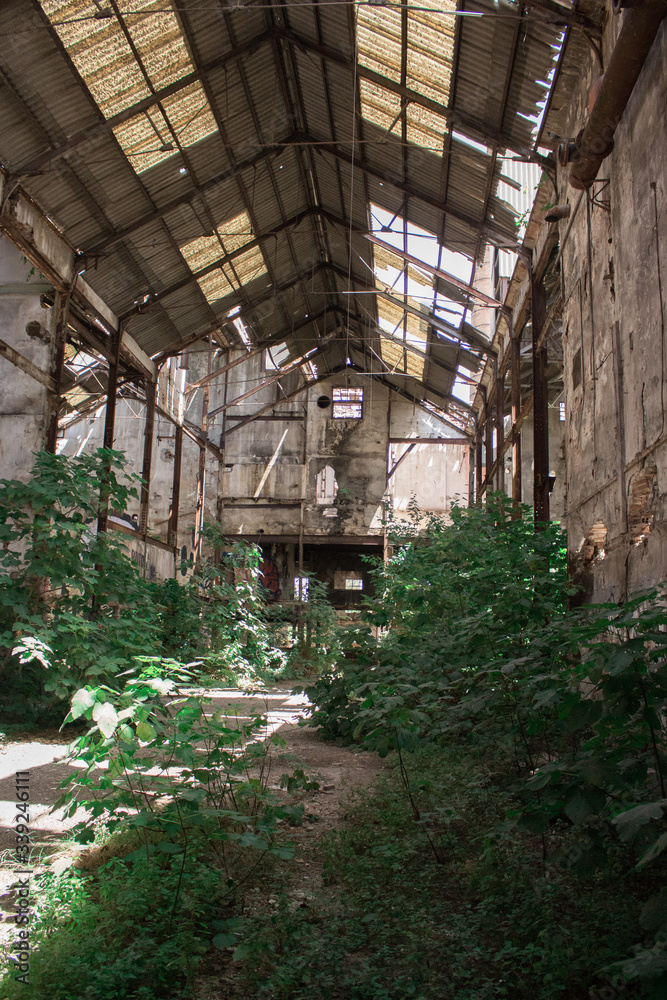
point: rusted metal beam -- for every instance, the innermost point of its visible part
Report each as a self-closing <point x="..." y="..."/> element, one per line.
<point x="172" y="530"/>
<point x="283" y="399"/>
<point x="516" y="410"/>
<point x="27" y="366"/>
<point x="430" y="440"/>
<point x="500" y="426"/>
<point x="540" y="408"/>
<point x="269" y="381"/>
<point x="399" y="460"/>
<point x="59" y="327"/>
<point x="201" y="469"/>
<point x="109" y="429"/>
<point x="149" y="425"/>
<point x="478" y="464"/>
<point x="277" y="339"/>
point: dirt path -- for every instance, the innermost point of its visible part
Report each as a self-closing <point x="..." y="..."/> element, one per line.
<point x="338" y="770"/>
<point x="341" y="771"/>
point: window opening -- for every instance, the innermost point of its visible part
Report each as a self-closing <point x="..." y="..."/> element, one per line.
<point x="301" y="588"/>
<point x="275" y="357"/>
<point x="561" y="411"/>
<point x="326" y="486"/>
<point x="354" y="584"/>
<point x="348" y="403"/>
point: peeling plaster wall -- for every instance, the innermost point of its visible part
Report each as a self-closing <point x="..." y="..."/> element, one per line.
<point x="615" y="294"/>
<point x="24" y="402"/>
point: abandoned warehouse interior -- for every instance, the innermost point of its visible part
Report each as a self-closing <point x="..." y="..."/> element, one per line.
<point x="321" y="256"/>
<point x="311" y="266"/>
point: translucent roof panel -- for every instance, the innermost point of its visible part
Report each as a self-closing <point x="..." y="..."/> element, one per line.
<point x="379" y="40"/>
<point x="229" y="237"/>
<point x="147" y="139"/>
<point x="431" y="49"/>
<point x="104" y="56"/>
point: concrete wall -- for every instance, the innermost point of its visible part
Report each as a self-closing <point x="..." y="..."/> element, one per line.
<point x="24" y="403"/>
<point x="615" y="295"/>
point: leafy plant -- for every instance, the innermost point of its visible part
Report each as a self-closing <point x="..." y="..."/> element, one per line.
<point x="72" y="605"/>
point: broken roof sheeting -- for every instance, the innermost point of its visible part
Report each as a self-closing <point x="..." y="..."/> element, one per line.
<point x="141" y="193"/>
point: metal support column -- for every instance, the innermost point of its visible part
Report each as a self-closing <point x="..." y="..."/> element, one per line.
<point x="172" y="530"/>
<point x="151" y="394"/>
<point x="500" y="426"/>
<point x="516" y="410"/>
<point x="201" y="472"/>
<point x="109" y="427"/>
<point x="60" y="307"/>
<point x="488" y="417"/>
<point x="540" y="408"/>
<point x="478" y="464"/>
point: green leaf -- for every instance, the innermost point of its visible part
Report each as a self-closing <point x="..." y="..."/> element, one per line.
<point x="582" y="803"/>
<point x="145" y="732"/>
<point x="167" y="847"/>
<point x="656" y="848"/>
<point x="631" y="820"/>
<point x="82" y="700"/>
<point x="654" y="912"/>
<point x="223" y="941"/>
<point x="106" y="718"/>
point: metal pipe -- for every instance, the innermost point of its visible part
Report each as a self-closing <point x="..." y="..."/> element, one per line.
<point x="596" y="140"/>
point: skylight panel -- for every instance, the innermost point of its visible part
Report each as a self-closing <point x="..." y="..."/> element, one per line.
<point x="380" y="106"/>
<point x="103" y="56"/>
<point x="431" y="49"/>
<point x="379" y="40"/>
<point x="206" y="250"/>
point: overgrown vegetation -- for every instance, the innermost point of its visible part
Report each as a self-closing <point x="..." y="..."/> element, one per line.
<point x="469" y="653"/>
<point x="75" y="610"/>
<point x="516" y="848"/>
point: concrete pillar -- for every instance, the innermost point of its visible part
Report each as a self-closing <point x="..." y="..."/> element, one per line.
<point x="25" y="332"/>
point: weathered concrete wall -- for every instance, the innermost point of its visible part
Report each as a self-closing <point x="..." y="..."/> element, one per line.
<point x="23" y="400"/>
<point x="434" y="474"/>
<point x="615" y="290"/>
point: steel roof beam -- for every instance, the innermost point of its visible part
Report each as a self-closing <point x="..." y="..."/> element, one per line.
<point x="160" y="213"/>
<point x="491" y="234"/>
<point x="476" y="128"/>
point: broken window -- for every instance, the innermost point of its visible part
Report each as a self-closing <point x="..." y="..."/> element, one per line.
<point x="354" y="583"/>
<point x="301" y="588"/>
<point x="348" y="404"/>
<point x="326" y="486"/>
<point x="275" y="357"/>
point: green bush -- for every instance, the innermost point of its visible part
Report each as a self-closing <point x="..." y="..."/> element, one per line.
<point x="470" y="643"/>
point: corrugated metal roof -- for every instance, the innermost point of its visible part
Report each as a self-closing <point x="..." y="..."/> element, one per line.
<point x="189" y="178"/>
